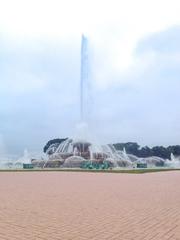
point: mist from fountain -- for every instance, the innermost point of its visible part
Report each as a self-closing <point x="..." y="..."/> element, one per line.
<point x="174" y="161"/>
<point x="25" y="158"/>
<point x="14" y="162"/>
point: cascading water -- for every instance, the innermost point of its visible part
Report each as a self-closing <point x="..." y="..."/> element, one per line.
<point x="174" y="161"/>
<point x="14" y="162"/>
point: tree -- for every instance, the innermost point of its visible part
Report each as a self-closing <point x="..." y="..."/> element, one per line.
<point x="159" y="151"/>
<point x="131" y="147"/>
<point x="145" y="152"/>
<point x="53" y="141"/>
<point x="174" y="149"/>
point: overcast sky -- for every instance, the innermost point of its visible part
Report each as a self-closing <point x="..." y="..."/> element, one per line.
<point x="134" y="51"/>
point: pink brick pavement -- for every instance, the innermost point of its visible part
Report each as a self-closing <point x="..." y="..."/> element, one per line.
<point x="97" y="206"/>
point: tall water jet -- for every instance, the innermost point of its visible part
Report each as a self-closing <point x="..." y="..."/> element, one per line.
<point x="82" y="129"/>
<point x="84" y="79"/>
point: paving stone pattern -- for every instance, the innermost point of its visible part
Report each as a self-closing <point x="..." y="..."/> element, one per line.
<point x="83" y="206"/>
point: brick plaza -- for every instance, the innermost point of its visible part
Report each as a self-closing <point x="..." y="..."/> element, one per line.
<point x="83" y="206"/>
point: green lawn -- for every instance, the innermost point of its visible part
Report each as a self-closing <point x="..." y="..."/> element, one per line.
<point x="132" y="171"/>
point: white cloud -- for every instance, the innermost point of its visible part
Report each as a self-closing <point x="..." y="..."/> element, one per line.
<point x="114" y="25"/>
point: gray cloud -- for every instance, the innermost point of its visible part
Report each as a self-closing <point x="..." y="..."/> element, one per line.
<point x="166" y="41"/>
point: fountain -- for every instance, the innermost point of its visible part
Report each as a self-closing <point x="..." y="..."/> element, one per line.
<point x="174" y="161"/>
<point x="14" y="162"/>
<point x="80" y="151"/>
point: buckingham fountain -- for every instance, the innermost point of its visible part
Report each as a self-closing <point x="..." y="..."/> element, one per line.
<point x="80" y="151"/>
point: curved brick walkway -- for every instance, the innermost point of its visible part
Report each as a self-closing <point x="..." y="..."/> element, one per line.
<point x="83" y="206"/>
